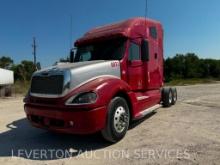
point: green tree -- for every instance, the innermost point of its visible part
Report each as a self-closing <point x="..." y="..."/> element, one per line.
<point x="6" y="62"/>
<point x="190" y="66"/>
<point x="24" y="70"/>
<point x="175" y="67"/>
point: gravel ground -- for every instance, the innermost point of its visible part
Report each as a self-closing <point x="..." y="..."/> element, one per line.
<point x="187" y="133"/>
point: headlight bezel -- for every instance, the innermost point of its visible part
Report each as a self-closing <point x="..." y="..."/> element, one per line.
<point x="72" y="100"/>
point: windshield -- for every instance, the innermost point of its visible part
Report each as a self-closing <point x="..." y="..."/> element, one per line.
<point x="105" y="50"/>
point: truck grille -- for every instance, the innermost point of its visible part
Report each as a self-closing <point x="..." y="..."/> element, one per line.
<point x="52" y="85"/>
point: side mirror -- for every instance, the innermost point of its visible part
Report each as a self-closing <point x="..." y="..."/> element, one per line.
<point x="71" y="55"/>
<point x="38" y="66"/>
<point x="144" y="50"/>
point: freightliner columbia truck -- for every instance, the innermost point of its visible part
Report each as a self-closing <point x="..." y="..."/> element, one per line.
<point x="114" y="77"/>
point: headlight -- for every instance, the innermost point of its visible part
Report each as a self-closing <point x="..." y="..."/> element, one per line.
<point x="83" y="98"/>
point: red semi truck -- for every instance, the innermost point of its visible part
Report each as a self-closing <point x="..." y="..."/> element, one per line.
<point x="115" y="76"/>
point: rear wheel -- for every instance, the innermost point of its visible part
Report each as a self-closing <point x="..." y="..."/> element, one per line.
<point x="167" y="97"/>
<point x="117" y="120"/>
<point x="174" y="95"/>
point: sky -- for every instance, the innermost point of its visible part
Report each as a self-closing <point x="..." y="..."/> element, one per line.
<point x="189" y="25"/>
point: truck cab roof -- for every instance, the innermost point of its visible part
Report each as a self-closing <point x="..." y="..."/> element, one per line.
<point x="131" y="28"/>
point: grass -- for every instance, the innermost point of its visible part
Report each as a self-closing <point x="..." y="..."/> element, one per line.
<point x="192" y="81"/>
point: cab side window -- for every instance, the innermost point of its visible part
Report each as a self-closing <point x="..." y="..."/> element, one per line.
<point x="134" y="52"/>
<point x="85" y="57"/>
<point x="153" y="32"/>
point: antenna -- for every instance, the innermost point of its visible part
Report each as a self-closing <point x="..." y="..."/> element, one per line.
<point x="34" y="46"/>
<point x="146" y="9"/>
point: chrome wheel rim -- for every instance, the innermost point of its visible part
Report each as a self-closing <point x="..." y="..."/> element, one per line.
<point x="120" y="119"/>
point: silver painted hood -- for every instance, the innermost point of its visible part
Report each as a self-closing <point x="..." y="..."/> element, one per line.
<point x="76" y="74"/>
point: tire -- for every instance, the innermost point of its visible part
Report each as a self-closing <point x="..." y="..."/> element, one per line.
<point x="117" y="122"/>
<point x="167" y="97"/>
<point x="174" y="95"/>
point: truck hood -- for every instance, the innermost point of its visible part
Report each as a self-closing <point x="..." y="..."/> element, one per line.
<point x="46" y="82"/>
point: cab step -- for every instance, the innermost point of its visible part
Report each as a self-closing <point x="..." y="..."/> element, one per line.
<point x="148" y="111"/>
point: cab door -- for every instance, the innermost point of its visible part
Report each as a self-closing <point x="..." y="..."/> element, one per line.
<point x="155" y="77"/>
<point x="135" y="67"/>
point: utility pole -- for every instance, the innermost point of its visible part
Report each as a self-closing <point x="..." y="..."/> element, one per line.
<point x="71" y="31"/>
<point x="34" y="46"/>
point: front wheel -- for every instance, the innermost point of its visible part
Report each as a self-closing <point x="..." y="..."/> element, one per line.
<point x="117" y="120"/>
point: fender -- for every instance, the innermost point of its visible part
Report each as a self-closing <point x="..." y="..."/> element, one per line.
<point x="106" y="87"/>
